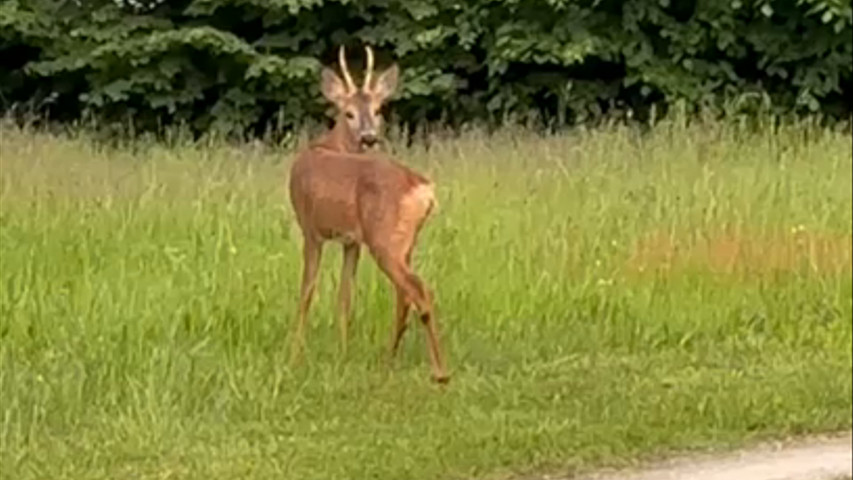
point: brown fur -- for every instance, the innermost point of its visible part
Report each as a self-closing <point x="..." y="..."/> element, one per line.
<point x="341" y="193"/>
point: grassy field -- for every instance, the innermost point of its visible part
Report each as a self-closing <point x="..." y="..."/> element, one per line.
<point x="603" y="296"/>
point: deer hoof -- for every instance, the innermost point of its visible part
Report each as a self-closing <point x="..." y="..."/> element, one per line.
<point x="442" y="379"/>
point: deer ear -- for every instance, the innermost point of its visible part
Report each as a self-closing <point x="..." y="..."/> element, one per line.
<point x="332" y="86"/>
<point x="385" y="85"/>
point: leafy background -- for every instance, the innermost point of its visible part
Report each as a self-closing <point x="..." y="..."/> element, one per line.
<point x="249" y="66"/>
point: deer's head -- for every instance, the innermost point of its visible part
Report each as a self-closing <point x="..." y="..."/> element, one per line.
<point x="359" y="108"/>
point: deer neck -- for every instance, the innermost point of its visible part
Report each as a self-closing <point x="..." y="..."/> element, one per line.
<point x="340" y="138"/>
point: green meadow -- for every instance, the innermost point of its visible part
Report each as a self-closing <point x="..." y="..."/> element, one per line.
<point x="603" y="296"/>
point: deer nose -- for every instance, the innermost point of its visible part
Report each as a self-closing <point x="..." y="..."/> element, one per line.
<point x="369" y="139"/>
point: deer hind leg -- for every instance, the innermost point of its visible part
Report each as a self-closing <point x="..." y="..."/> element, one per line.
<point x="348" y="269"/>
<point x="428" y="321"/>
<point x="402" y="315"/>
<point x="414" y="290"/>
<point x="400" y="320"/>
<point x="312" y="250"/>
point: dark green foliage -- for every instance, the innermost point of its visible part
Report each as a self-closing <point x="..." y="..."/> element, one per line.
<point x="246" y="65"/>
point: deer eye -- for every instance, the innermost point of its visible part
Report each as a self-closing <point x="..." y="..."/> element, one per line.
<point x="350" y="115"/>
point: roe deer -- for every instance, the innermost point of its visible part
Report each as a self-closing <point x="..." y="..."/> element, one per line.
<point x="342" y="193"/>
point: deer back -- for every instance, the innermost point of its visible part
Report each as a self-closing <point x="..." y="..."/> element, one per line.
<point x="356" y="196"/>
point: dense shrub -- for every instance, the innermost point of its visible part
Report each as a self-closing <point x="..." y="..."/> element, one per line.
<point x="251" y="64"/>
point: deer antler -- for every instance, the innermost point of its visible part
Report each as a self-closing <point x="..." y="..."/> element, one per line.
<point x="368" y="73"/>
<point x="342" y="59"/>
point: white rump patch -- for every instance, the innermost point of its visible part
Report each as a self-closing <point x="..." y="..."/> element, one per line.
<point x="423" y="195"/>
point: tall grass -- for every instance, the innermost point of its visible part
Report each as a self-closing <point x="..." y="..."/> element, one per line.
<point x="601" y="294"/>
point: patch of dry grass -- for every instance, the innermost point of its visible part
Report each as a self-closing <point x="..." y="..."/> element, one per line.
<point x="749" y="254"/>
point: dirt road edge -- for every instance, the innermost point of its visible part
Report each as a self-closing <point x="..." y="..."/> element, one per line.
<point x="823" y="458"/>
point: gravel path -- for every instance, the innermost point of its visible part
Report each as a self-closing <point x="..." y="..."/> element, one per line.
<point x="817" y="459"/>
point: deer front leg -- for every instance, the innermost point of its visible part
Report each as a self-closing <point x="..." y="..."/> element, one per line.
<point x="312" y="250"/>
<point x="348" y="269"/>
